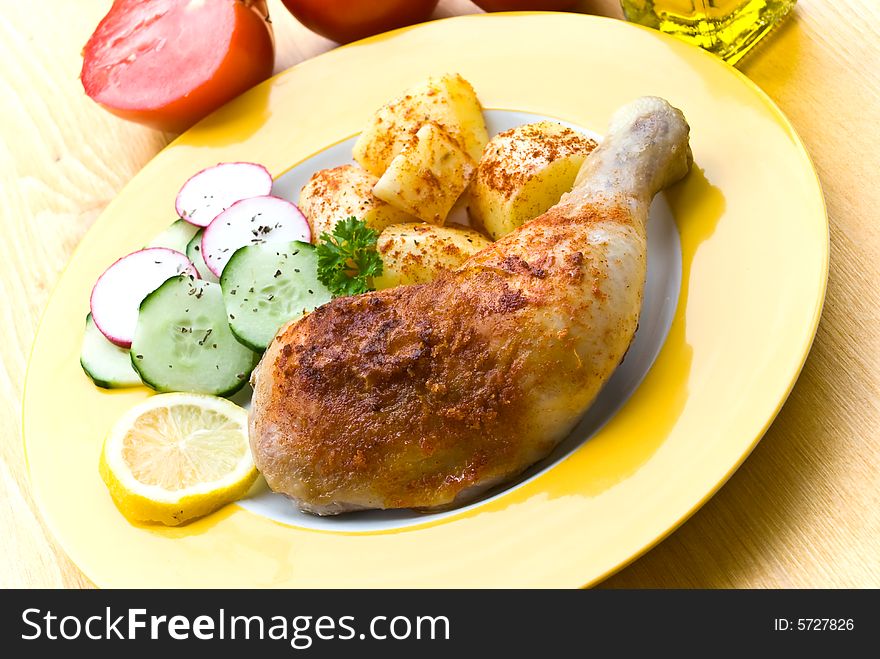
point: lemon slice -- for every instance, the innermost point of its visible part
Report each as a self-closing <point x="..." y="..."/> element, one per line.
<point x="175" y="457"/>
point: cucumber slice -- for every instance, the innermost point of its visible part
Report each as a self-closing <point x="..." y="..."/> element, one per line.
<point x="108" y="365"/>
<point x="194" y="254"/>
<point x="183" y="343"/>
<point x="267" y="285"/>
<point x="177" y="236"/>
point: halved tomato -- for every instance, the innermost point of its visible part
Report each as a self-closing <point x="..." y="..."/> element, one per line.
<point x="168" y="63"/>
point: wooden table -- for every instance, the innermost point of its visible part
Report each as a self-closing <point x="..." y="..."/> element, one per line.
<point x="804" y="510"/>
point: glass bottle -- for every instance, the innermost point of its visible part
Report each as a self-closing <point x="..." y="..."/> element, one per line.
<point x="728" y="28"/>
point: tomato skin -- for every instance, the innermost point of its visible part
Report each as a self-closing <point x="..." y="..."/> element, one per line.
<point x="524" y="5"/>
<point x="179" y="83"/>
<point x="344" y="21"/>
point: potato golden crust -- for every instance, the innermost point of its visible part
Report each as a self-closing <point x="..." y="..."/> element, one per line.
<point x="417" y="253"/>
<point x="533" y="146"/>
<point x="448" y="101"/>
<point x="333" y="195"/>
<point x="523" y="172"/>
<point x="428" y="176"/>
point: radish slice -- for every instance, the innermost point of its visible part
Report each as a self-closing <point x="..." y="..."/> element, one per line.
<point x="210" y="192"/>
<point x="118" y="293"/>
<point x="252" y="222"/>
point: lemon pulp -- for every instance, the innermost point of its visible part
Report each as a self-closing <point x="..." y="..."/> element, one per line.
<point x="175" y="457"/>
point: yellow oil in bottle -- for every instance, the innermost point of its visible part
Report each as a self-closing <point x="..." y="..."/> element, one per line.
<point x="728" y="28"/>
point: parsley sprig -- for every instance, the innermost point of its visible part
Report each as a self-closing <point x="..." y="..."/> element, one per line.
<point x="347" y="258"/>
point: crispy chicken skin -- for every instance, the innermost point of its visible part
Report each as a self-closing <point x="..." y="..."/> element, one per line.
<point x="422" y="396"/>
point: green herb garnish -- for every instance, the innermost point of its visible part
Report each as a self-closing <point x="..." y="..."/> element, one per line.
<point x="347" y="258"/>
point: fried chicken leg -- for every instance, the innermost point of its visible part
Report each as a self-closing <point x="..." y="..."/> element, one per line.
<point x="423" y="396"/>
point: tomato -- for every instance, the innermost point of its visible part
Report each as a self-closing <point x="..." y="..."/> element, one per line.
<point x="168" y="63"/>
<point x="349" y="20"/>
<point x="522" y="5"/>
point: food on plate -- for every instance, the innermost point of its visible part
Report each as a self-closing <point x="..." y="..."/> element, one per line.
<point x="108" y="365"/>
<point x="176" y="457"/>
<point x="168" y="63"/>
<point x="176" y="332"/>
<point x="524" y="5"/>
<point x="183" y="342"/>
<point x="471" y="361"/>
<point x="350" y="20"/>
<point x="333" y="195"/>
<point x="523" y="172"/>
<point x="194" y="254"/>
<point x="267" y="285"/>
<point x="448" y="101"/>
<point x="417" y="253"/>
<point x="423" y="396"/>
<point x="347" y="258"/>
<point x="176" y="237"/>
<point x="120" y="289"/>
<point x="428" y="176"/>
<point x="251" y="222"/>
<point x="211" y="191"/>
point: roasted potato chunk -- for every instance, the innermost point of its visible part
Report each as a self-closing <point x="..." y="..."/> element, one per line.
<point x="418" y="253"/>
<point x="523" y="172"/>
<point x="332" y="195"/>
<point x="428" y="176"/>
<point x="448" y="101"/>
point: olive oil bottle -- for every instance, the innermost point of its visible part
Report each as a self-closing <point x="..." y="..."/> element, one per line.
<point x="728" y="28"/>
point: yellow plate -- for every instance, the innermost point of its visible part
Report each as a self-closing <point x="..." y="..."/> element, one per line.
<point x="754" y="243"/>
